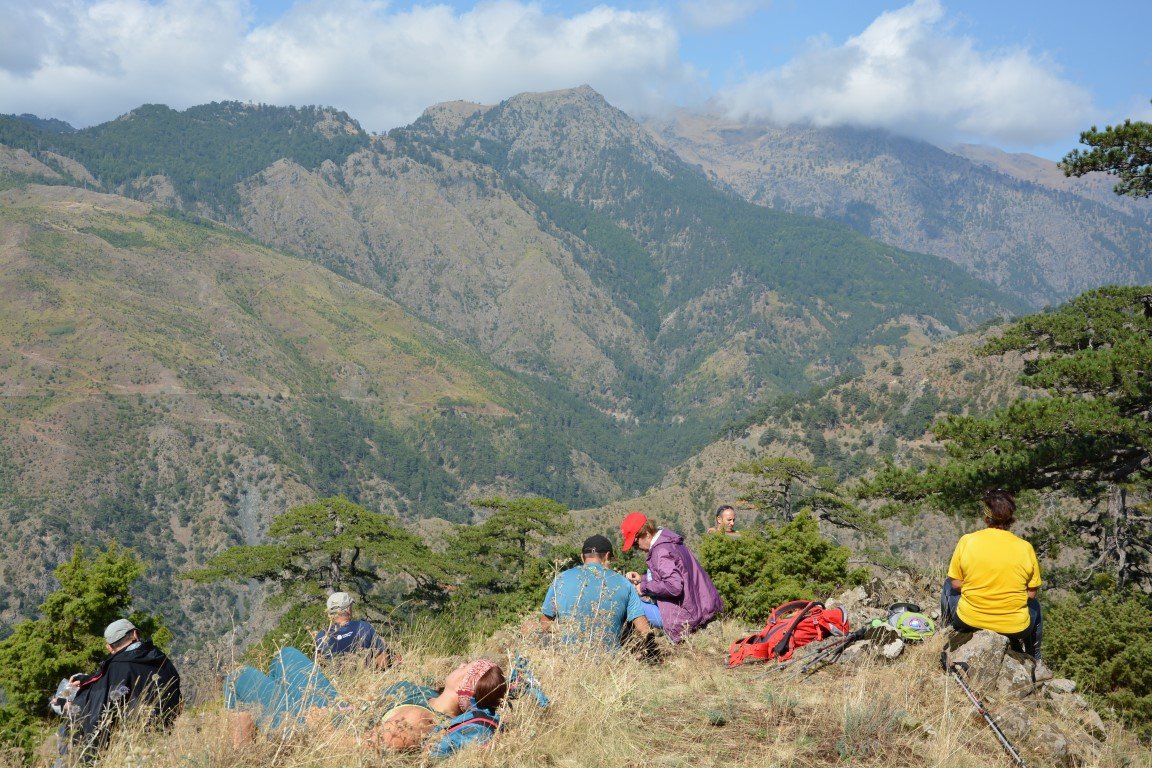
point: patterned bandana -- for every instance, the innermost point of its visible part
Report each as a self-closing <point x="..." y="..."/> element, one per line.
<point x="467" y="689"/>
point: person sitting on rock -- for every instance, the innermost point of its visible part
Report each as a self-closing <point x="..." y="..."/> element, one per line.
<point x="993" y="578"/>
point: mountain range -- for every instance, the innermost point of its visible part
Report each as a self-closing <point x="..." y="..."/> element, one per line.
<point x="1013" y="220"/>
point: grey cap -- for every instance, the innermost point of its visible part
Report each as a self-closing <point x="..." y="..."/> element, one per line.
<point x="117" y="630"/>
<point x="339" y="601"/>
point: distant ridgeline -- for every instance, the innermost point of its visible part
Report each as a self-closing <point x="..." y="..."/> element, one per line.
<point x="204" y="151"/>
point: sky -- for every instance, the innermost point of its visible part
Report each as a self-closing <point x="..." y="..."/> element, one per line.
<point x="1022" y="75"/>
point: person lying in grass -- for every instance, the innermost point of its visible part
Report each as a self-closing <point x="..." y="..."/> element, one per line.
<point x="294" y="692"/>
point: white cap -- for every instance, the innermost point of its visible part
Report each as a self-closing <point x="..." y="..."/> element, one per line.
<point x="339" y="602"/>
<point x="117" y="630"/>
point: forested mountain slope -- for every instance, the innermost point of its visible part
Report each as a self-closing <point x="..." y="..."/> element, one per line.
<point x="735" y="301"/>
<point x="1004" y="220"/>
<point x="851" y="427"/>
<point x="171" y="385"/>
<point x="551" y="233"/>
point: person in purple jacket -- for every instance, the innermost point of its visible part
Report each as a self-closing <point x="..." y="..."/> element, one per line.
<point x="685" y="597"/>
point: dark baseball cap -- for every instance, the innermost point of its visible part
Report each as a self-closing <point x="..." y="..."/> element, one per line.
<point x="597" y="545"/>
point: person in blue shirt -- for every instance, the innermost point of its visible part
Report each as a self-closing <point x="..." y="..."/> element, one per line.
<point x="593" y="604"/>
<point x="346" y="635"/>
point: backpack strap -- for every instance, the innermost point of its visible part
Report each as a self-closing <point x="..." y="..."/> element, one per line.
<point x="478" y="718"/>
<point x="782" y="646"/>
<point x="787" y="608"/>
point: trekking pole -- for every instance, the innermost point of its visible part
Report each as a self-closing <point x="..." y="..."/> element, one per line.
<point x="831" y="653"/>
<point x="954" y="669"/>
<point x="831" y="650"/>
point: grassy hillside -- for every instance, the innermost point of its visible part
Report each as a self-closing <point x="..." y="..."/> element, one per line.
<point x="613" y="712"/>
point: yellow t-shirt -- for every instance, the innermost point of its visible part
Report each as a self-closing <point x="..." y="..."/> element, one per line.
<point x="997" y="567"/>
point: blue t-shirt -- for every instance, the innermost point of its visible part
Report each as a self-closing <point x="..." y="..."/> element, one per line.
<point x="353" y="637"/>
<point x="593" y="604"/>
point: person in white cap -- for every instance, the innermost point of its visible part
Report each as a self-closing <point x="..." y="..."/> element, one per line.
<point x="136" y="679"/>
<point x="346" y="635"/>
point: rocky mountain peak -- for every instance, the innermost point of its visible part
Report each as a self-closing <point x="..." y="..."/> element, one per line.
<point x="450" y="116"/>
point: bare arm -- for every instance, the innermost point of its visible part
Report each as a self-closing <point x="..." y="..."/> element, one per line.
<point x="243" y="728"/>
<point x="641" y="625"/>
<point x="546" y="623"/>
<point x="957" y="584"/>
<point x="404" y="730"/>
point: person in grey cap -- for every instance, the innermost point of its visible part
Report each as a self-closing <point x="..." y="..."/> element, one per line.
<point x="136" y="679"/>
<point x="593" y="604"/>
<point x="346" y="635"/>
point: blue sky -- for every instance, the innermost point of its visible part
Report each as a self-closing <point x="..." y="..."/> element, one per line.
<point x="1022" y="75"/>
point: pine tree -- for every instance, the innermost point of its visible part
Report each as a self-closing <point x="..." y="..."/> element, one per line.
<point x="502" y="567"/>
<point x="784" y="484"/>
<point x="1087" y="432"/>
<point x="329" y="545"/>
<point x="1125" y="151"/>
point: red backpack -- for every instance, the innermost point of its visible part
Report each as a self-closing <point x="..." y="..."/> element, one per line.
<point x="789" y="627"/>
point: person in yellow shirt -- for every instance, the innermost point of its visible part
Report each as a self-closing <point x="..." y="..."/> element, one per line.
<point x="993" y="579"/>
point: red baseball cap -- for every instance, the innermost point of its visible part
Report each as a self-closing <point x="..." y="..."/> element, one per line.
<point x="631" y="526"/>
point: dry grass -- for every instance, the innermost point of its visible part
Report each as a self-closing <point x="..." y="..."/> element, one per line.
<point x="613" y="712"/>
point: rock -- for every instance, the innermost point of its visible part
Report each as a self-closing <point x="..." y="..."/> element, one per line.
<point x="990" y="664"/>
<point x="1074" y="708"/>
<point x="852" y="599"/>
<point x="1017" y="674"/>
<point x="1013" y="720"/>
<point x="853" y="651"/>
<point x="980" y="654"/>
<point x="1049" y="741"/>
<point x="1092" y="722"/>
<point x="892" y="649"/>
<point x="1060" y="685"/>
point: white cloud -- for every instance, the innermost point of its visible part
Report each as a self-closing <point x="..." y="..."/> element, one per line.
<point x="909" y="73"/>
<point x="716" y="14"/>
<point x="95" y="60"/>
<point x="87" y="62"/>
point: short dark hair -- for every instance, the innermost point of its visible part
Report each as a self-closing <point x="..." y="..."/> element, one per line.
<point x="491" y="689"/>
<point x="1000" y="508"/>
<point x="725" y="508"/>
